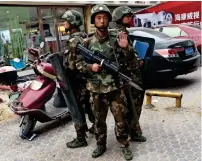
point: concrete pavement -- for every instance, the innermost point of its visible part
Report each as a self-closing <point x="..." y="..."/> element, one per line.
<point x="172" y="134"/>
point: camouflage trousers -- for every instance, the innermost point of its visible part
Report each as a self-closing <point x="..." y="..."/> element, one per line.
<point x="117" y="102"/>
<point x="133" y="121"/>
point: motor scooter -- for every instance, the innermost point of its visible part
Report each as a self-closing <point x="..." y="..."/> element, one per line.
<point x="31" y="103"/>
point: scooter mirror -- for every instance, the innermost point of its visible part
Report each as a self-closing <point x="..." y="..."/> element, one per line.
<point x="41" y="44"/>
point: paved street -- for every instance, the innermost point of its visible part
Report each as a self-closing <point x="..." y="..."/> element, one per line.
<point x="172" y="134"/>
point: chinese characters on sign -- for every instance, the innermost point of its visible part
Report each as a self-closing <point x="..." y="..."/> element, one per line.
<point x="188" y="16"/>
<point x="183" y="16"/>
<point x="177" y="17"/>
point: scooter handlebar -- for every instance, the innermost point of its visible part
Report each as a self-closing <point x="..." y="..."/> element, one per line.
<point x="44" y="56"/>
<point x="27" y="65"/>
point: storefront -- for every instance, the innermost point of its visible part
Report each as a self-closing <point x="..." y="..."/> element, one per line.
<point x="25" y="27"/>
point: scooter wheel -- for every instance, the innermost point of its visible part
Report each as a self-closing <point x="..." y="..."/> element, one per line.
<point x="27" y="126"/>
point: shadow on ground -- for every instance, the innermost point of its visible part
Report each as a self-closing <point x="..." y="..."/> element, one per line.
<point x="177" y="82"/>
<point x="46" y="127"/>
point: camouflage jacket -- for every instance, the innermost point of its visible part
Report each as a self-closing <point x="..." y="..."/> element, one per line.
<point x="120" y="28"/>
<point x="70" y="54"/>
<point x="104" y="82"/>
<point x="135" y="66"/>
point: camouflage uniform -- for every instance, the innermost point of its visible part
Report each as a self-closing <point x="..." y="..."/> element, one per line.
<point x="138" y="96"/>
<point x="106" y="90"/>
<point x="77" y="79"/>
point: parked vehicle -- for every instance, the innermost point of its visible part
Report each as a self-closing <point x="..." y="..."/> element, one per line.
<point x="194" y="26"/>
<point x="171" y="57"/>
<point x="180" y="31"/>
<point x="31" y="103"/>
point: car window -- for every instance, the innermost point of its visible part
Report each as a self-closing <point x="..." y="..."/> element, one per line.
<point x="158" y="36"/>
<point x="173" y="31"/>
<point x="146" y="34"/>
<point x="183" y="33"/>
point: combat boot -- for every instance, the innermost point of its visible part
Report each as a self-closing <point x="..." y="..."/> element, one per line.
<point x="136" y="133"/>
<point x="138" y="138"/>
<point x="127" y="153"/>
<point x="80" y="141"/>
<point x="100" y="150"/>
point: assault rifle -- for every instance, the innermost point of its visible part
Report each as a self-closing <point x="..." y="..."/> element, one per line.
<point x="106" y="63"/>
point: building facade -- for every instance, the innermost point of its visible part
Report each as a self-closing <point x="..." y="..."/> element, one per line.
<point x="25" y="24"/>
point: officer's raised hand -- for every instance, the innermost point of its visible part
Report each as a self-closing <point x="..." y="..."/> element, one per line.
<point x="122" y="40"/>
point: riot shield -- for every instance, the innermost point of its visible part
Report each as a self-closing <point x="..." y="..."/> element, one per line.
<point x="147" y="68"/>
<point x="149" y="41"/>
<point x="132" y="115"/>
<point x="57" y="62"/>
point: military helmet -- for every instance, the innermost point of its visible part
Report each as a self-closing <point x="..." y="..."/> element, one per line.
<point x="119" y="12"/>
<point x="100" y="8"/>
<point x="73" y="17"/>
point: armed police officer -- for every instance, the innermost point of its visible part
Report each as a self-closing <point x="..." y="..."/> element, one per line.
<point x="73" y="21"/>
<point x="122" y="16"/>
<point x="107" y="90"/>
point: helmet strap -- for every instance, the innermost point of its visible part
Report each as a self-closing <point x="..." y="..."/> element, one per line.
<point x="101" y="29"/>
<point x="74" y="29"/>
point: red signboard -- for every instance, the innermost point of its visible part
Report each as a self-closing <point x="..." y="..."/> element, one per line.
<point x="172" y="12"/>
